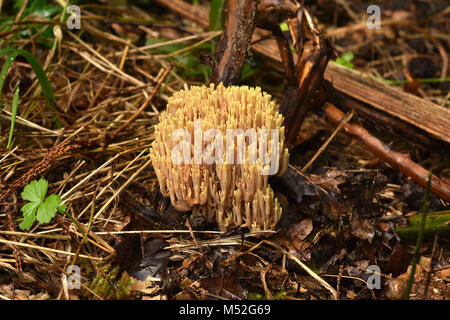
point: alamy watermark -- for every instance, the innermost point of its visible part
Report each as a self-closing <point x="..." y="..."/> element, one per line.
<point x="74" y="18"/>
<point x="73" y="277"/>
<point x="374" y="280"/>
<point x="374" y="20"/>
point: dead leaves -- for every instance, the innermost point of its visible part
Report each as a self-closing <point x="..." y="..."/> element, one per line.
<point x="299" y="231"/>
<point x="363" y="229"/>
<point x="8" y="292"/>
<point x="437" y="289"/>
<point x="444" y="274"/>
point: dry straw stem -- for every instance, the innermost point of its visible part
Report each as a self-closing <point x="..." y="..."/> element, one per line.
<point x="105" y="206"/>
<point x="209" y="35"/>
<point x="102" y="63"/>
<point x="231" y="194"/>
<point x="66" y="196"/>
<point x="234" y="240"/>
<point x="30" y="124"/>
<point x="20" y="244"/>
<point x="35" y="235"/>
<point x="146" y="103"/>
<point x="116" y="176"/>
<point x="326" y="143"/>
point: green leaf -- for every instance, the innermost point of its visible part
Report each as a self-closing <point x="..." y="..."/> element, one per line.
<point x="284" y="26"/>
<point x="35" y="191"/>
<point x="61" y="208"/>
<point x="12" y="55"/>
<point x="346" y="60"/>
<point x="41" y="8"/>
<point x="47" y="209"/>
<point x="216" y="15"/>
<point x="29" y="214"/>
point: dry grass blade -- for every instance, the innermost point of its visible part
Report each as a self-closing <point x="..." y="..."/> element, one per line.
<point x="20" y="244"/>
<point x="306" y="268"/>
<point x="123" y="186"/>
<point x="347" y="118"/>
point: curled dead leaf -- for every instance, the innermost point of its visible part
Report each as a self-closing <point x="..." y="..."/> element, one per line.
<point x="444" y="274"/>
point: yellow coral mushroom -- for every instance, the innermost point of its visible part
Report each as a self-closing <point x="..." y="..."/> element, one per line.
<point x="214" y="149"/>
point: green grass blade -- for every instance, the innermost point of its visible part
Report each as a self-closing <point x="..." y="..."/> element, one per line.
<point x="422" y="80"/>
<point x="11" y="57"/>
<point x="44" y="82"/>
<point x="4" y="71"/>
<point x="15" y="106"/>
<point x="216" y="15"/>
<point x="40" y="73"/>
<point x="419" y="238"/>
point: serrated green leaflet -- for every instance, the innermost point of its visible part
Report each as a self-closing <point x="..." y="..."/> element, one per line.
<point x="47" y="209"/>
<point x="35" y="191"/>
<point x="29" y="215"/>
<point x="61" y="208"/>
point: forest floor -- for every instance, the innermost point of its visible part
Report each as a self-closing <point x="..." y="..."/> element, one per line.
<point x="84" y="133"/>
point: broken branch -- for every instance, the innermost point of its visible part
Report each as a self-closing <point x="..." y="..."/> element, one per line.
<point x="396" y="159"/>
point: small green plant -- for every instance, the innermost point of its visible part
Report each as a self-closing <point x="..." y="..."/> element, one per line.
<point x="108" y="285"/>
<point x="42" y="8"/>
<point x="39" y="207"/>
<point x="258" y="296"/>
<point x="346" y="60"/>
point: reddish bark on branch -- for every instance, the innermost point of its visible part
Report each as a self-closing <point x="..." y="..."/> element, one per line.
<point x="234" y="41"/>
<point x="396" y="159"/>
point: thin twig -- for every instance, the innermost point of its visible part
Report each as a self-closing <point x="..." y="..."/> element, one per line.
<point x="396" y="159"/>
<point x="347" y="118"/>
